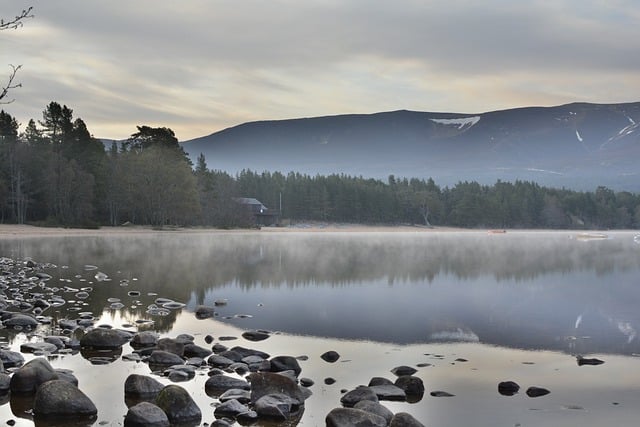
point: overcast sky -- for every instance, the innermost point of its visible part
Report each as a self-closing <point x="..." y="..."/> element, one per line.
<point x="199" y="66"/>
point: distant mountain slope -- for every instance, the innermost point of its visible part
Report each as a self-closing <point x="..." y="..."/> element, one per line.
<point x="577" y="146"/>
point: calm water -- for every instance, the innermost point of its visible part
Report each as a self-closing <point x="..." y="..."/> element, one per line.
<point x="518" y="306"/>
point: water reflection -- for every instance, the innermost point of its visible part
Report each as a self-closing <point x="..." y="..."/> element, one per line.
<point x="524" y="290"/>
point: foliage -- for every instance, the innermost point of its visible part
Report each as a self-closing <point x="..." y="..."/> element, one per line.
<point x="58" y="174"/>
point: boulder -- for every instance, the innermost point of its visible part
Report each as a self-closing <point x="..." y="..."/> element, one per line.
<point x="230" y="408"/>
<point x="164" y="358"/>
<point x="102" y="338"/>
<point x="193" y="350"/>
<point x="276" y="406"/>
<point x="379" y="381"/>
<point x="244" y="352"/>
<point x="265" y="383"/>
<point x="354" y="396"/>
<point x="255" y="335"/>
<point x="508" y="388"/>
<point x="389" y="392"/>
<point x="375" y="408"/>
<point x="146" y="414"/>
<point x="58" y="398"/>
<point x="219" y="361"/>
<point x="412" y="386"/>
<point x="242" y="396"/>
<point x="5" y="383"/>
<point x="402" y="419"/>
<point x="144" y="339"/>
<point x="142" y="386"/>
<point x="20" y="320"/>
<point x="285" y="363"/>
<point x="537" y="391"/>
<point x="38" y="347"/>
<point x="204" y="312"/>
<point x="588" y="361"/>
<point x="176" y="402"/>
<point x="11" y="359"/>
<point x="330" y="356"/>
<point x="350" y="417"/>
<point x="171" y="345"/>
<point x="218" y="384"/>
<point x="31" y="375"/>
<point x="403" y="370"/>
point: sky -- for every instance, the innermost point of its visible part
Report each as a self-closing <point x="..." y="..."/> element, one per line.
<point x="199" y="66"/>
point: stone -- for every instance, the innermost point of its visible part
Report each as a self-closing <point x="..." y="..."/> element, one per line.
<point x="329" y="381"/>
<point x="146" y="414"/>
<point x="402" y="419"/>
<point x="144" y="339"/>
<point x="204" y="312"/>
<point x="31" y="375"/>
<point x="219" y="348"/>
<point x="142" y="386"/>
<point x="379" y="381"/>
<point x="439" y="393"/>
<point x="5" y="383"/>
<point x="265" y="383"/>
<point x="508" y="388"/>
<point x="586" y="361"/>
<point x="11" y="359"/>
<point x="218" y="384"/>
<point x="354" y="396"/>
<point x="306" y="382"/>
<point x="67" y="375"/>
<point x="171" y="345"/>
<point x="58" y="398"/>
<point x="230" y="408"/>
<point x="244" y="352"/>
<point x="277" y="405"/>
<point x="193" y="350"/>
<point x="285" y="363"/>
<point x="180" y="408"/>
<point x="20" y="320"/>
<point x="242" y="396"/>
<point x="164" y="358"/>
<point x="101" y="338"/>
<point x="219" y="361"/>
<point x="403" y="370"/>
<point x="38" y="347"/>
<point x="389" y="392"/>
<point x="537" y="391"/>
<point x="375" y="408"/>
<point x="410" y="384"/>
<point x="349" y="417"/>
<point x="330" y="356"/>
<point x="255" y="335"/>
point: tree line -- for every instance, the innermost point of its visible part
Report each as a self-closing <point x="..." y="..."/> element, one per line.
<point x="56" y="173"/>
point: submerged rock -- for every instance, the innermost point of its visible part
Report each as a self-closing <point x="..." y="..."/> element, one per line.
<point x="255" y="335"/>
<point x="412" y="386"/>
<point x="537" y="391"/>
<point x="403" y="370"/>
<point x="586" y="361"/>
<point x="508" y="388"/>
<point x="330" y="356"/>
<point x="102" y="338"/>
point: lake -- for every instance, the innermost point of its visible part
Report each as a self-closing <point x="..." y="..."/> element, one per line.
<point x="468" y="309"/>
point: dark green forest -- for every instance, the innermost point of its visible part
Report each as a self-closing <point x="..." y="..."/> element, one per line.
<point x="55" y="173"/>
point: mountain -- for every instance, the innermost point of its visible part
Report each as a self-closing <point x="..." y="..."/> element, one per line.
<point x="577" y="146"/>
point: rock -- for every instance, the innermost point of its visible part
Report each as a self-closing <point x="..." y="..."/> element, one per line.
<point x="208" y="339"/>
<point x="218" y="361"/>
<point x="11" y="359"/>
<point x="278" y="406"/>
<point x="230" y="408"/>
<point x="403" y="370"/>
<point x="38" y="347"/>
<point x="58" y="398"/>
<point x="584" y="361"/>
<point x="234" y="356"/>
<point x="255" y="335"/>
<point x="67" y="375"/>
<point x="439" y="393"/>
<point x="101" y="338"/>
<point x="256" y="363"/>
<point x="59" y="342"/>
<point x="218" y="384"/>
<point x="247" y="418"/>
<point x="144" y="339"/>
<point x="171" y="345"/>
<point x="242" y="396"/>
<point x="193" y="350"/>
<point x="350" y="417"/>
<point x="306" y="382"/>
<point x="239" y="368"/>
<point x="142" y="386"/>
<point x="34" y="373"/>
<point x="412" y="386"/>
<point x="265" y="383"/>
<point x="204" y="312"/>
<point x="5" y="383"/>
<point x="389" y="392"/>
<point x="20" y="320"/>
<point x="402" y="419"/>
<point x="244" y="352"/>
<point x="537" y="391"/>
<point x="356" y="395"/>
<point x="375" y="408"/>
<point x="508" y="388"/>
<point x="146" y="414"/>
<point x="180" y="372"/>
<point x="285" y="363"/>
<point x="164" y="358"/>
<point x="379" y="381"/>
<point x="178" y="405"/>
<point x="329" y="381"/>
<point x="185" y="339"/>
<point x="330" y="356"/>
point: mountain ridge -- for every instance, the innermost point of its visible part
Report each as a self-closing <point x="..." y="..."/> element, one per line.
<point x="577" y="145"/>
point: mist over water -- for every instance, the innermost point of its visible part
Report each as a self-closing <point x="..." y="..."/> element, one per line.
<point x="532" y="290"/>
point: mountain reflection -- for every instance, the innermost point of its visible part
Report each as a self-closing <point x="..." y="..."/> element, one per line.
<point x="521" y="289"/>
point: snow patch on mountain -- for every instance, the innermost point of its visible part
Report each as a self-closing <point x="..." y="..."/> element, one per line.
<point x="461" y="123"/>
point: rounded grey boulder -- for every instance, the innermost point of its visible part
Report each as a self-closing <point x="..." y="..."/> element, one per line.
<point x="29" y="377"/>
<point x="146" y="414"/>
<point x="354" y="396"/>
<point x="402" y="419"/>
<point x="102" y="338"/>
<point x="178" y="405"/>
<point x="58" y="398"/>
<point x="142" y="386"/>
<point x="349" y="417"/>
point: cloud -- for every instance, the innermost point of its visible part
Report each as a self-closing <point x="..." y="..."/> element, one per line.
<point x="198" y="66"/>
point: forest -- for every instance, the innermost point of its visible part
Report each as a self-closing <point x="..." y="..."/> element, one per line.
<point x="55" y="173"/>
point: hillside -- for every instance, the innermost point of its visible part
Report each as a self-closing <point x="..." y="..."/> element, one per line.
<point x="578" y="146"/>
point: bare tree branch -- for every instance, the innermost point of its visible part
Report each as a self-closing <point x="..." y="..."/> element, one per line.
<point x="16" y="22"/>
<point x="4" y="90"/>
